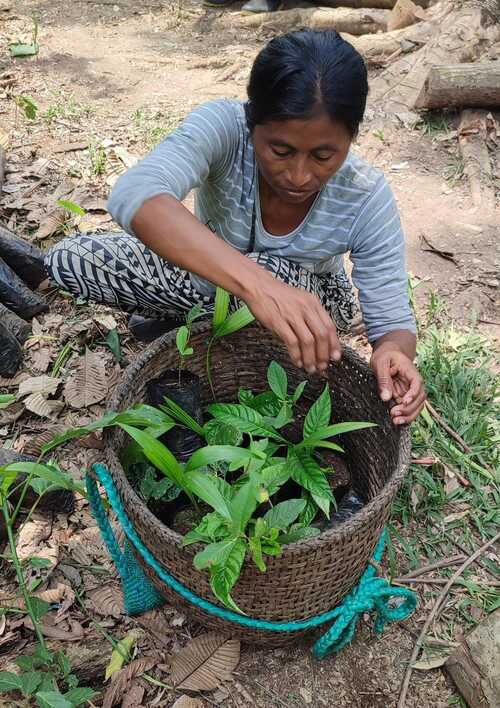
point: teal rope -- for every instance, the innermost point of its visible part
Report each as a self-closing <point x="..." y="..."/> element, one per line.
<point x="372" y="593"/>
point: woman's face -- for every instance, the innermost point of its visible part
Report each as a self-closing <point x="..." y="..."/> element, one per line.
<point x="296" y="158"/>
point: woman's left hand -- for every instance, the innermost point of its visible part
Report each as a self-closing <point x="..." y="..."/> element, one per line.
<point x="399" y="379"/>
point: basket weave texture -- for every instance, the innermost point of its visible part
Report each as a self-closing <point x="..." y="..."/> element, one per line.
<point x="313" y="575"/>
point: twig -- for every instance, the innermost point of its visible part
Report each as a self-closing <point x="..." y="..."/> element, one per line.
<point x="442" y="581"/>
<point x="461" y="548"/>
<point x="264" y="688"/>
<point x="446" y="427"/>
<point x="434" y="612"/>
<point x="443" y="563"/>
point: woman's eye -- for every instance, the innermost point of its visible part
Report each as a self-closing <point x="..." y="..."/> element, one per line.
<point x="323" y="157"/>
<point x="281" y="153"/>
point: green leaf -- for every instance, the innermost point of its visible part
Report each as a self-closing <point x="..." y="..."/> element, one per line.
<point x="255" y="547"/>
<point x="221" y="308"/>
<point x="9" y="681"/>
<point x="319" y="414"/>
<point x="306" y="472"/>
<point x="113" y="342"/>
<point x="223" y="578"/>
<point x="308" y="514"/>
<point x="72" y="207"/>
<point x="218" y="433"/>
<point x="215" y="553"/>
<point x="206" y="489"/>
<point x="243" y="505"/>
<point x="193" y="314"/>
<point x="40" y="562"/>
<point x="27" y="663"/>
<point x="319" y="442"/>
<point x="212" y="454"/>
<point x="6" y="399"/>
<point x="275" y="476"/>
<point x="23" y="50"/>
<point x="244" y="418"/>
<point x="7" y="478"/>
<point x="152" y="488"/>
<point x="329" y="431"/>
<point x="299" y="391"/>
<point x="266" y="403"/>
<point x="298" y="533"/>
<point x="40" y="607"/>
<point x="63" y="662"/>
<point x="284" y="514"/>
<point x="52" y="699"/>
<point x="277" y="379"/>
<point x="211" y="528"/>
<point x="245" y="396"/>
<point x="121" y="653"/>
<point x="236" y="321"/>
<point x="158" y="454"/>
<point x="181" y="339"/>
<point x="30" y="681"/>
<point x="79" y="695"/>
<point x="172" y="409"/>
<point x="28" y="106"/>
<point x="49" y="473"/>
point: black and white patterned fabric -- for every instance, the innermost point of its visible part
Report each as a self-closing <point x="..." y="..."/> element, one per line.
<point x="119" y="270"/>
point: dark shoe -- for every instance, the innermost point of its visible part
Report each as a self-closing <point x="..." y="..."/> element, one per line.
<point x="147" y="330"/>
<point x="25" y="259"/>
<point x="261" y="6"/>
<point x="16" y="295"/>
<point x="16" y="326"/>
<point x="59" y="500"/>
<point x="11" y="354"/>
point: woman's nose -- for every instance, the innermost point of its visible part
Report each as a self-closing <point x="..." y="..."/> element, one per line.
<point x="298" y="175"/>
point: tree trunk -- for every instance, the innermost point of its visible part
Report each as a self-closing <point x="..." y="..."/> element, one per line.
<point x="355" y="22"/>
<point x="461" y="85"/>
<point x="472" y="134"/>
<point x="375" y="48"/>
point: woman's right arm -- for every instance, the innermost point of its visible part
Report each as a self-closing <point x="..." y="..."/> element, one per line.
<point x="294" y="316"/>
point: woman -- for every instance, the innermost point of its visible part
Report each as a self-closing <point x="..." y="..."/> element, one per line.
<point x="280" y="199"/>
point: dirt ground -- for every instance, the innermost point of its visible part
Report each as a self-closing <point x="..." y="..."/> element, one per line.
<point x="120" y="74"/>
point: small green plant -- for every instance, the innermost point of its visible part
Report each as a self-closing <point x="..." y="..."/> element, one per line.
<point x="6" y="399"/>
<point x="43" y="676"/>
<point x="184" y="334"/>
<point x="27" y="105"/>
<point x="380" y="135"/>
<point x="97" y="156"/>
<point x="246" y="461"/>
<point x="66" y="107"/>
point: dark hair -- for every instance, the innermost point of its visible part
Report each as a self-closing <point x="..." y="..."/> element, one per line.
<point x="298" y="73"/>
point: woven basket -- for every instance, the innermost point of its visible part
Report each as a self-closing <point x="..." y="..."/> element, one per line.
<point x="313" y="575"/>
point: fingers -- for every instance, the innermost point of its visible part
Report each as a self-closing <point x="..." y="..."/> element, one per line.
<point x="326" y="342"/>
<point x="411" y="402"/>
<point x="403" y="414"/>
<point x="382" y="369"/>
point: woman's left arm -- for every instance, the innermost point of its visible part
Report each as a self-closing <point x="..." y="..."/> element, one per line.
<point x="379" y="273"/>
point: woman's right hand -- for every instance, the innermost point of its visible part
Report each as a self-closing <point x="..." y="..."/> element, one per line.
<point x="299" y="320"/>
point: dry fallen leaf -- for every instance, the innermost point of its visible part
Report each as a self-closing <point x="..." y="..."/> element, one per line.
<point x="35" y="540"/>
<point x="107" y="600"/>
<point x="122" y="679"/>
<point x="157" y="624"/>
<point x="105" y="320"/>
<point x="39" y="405"/>
<point x="50" y="224"/>
<point x="41" y="358"/>
<point x="188" y="702"/>
<point x="46" y="385"/>
<point x="88" y="383"/>
<point x="34" y="445"/>
<point x="134" y="696"/>
<point x="204" y="662"/>
<point x="433" y="662"/>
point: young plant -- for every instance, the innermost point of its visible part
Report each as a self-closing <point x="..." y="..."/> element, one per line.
<point x="184" y="335"/>
<point x="43" y="676"/>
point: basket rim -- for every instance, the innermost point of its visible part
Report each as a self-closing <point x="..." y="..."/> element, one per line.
<point x="326" y="537"/>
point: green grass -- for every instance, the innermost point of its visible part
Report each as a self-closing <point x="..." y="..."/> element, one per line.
<point x="428" y="515"/>
<point x="97" y="156"/>
<point x="153" y="126"/>
<point x="433" y="124"/>
<point x="66" y="107"/>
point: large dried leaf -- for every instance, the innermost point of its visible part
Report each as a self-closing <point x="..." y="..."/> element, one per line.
<point x="157" y="623"/>
<point x="134" y="696"/>
<point x="35" y="540"/>
<point x="123" y="678"/>
<point x="204" y="662"/>
<point x="46" y="385"/>
<point x="41" y="358"/>
<point x="50" y="224"/>
<point x="188" y="702"/>
<point x="39" y="405"/>
<point x="34" y="445"/>
<point x="107" y="601"/>
<point x="429" y="663"/>
<point x="88" y="384"/>
<point x="12" y="413"/>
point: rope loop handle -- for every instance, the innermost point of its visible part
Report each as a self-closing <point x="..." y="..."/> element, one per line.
<point x="371" y="593"/>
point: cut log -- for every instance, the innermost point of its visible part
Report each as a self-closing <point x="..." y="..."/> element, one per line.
<point x="376" y="48"/>
<point x="342" y="19"/>
<point x="470" y="85"/>
<point x="474" y="665"/>
<point x="472" y="134"/>
<point x="361" y="4"/>
<point x="404" y="14"/>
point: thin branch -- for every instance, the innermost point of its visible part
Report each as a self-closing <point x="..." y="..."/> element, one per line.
<point x="443" y="563"/>
<point x="446" y="427"/>
<point x="434" y="612"/>
<point x="462" y="548"/>
<point x="442" y="581"/>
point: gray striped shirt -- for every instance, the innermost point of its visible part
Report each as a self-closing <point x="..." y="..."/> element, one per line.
<point x="355" y="212"/>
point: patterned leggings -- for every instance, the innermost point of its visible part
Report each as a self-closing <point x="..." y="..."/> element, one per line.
<point x="118" y="269"/>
